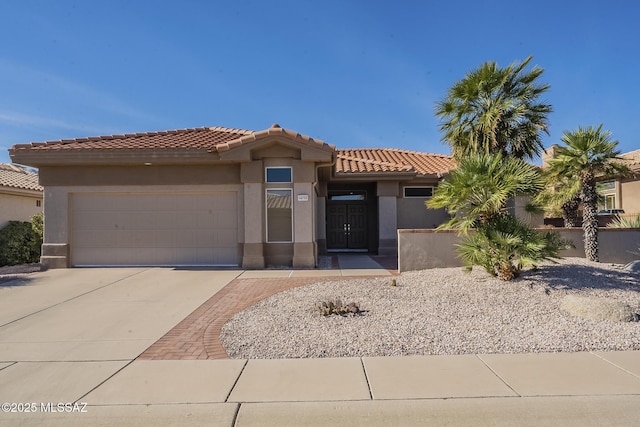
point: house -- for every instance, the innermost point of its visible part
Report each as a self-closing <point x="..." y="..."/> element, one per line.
<point x="623" y="193"/>
<point x="225" y="197"/>
<point x="617" y="192"/>
<point x="20" y="194"/>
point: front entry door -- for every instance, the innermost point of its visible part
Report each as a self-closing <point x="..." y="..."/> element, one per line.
<point x="347" y="226"/>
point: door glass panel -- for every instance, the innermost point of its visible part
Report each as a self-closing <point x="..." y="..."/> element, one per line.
<point x="348" y="195"/>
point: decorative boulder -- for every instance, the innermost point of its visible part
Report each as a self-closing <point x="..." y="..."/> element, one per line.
<point x="595" y="308"/>
<point x="633" y="266"/>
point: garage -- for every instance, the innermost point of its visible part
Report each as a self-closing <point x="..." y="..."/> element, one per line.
<point x="154" y="229"/>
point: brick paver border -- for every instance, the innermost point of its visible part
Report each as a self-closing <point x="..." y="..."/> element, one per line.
<point x="198" y="335"/>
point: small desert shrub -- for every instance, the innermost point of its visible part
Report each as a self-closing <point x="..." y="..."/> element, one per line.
<point x="335" y="306"/>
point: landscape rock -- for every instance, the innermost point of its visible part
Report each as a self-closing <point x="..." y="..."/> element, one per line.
<point x="633" y="266"/>
<point x="595" y="308"/>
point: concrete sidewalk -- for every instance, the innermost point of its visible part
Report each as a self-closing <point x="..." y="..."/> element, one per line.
<point x="568" y="389"/>
<point x="74" y="337"/>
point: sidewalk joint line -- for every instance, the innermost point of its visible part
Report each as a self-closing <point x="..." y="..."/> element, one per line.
<point x="613" y="364"/>
<point x="498" y="375"/>
<point x="234" y="420"/>
<point x="226" y="399"/>
<point x="366" y="378"/>
<point x="71" y="299"/>
<point x="9" y="365"/>
<point x="104" y="381"/>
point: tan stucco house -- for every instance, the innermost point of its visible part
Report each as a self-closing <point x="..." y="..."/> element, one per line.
<point x="624" y="193"/>
<point x="617" y="192"/>
<point x="20" y="194"/>
<point x="225" y="197"/>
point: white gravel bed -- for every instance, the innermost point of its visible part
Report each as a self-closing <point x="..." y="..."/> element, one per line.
<point x="440" y="311"/>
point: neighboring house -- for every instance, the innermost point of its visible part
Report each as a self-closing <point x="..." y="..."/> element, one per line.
<point x="617" y="193"/>
<point x="624" y="193"/>
<point x="20" y="194"/>
<point x="227" y="197"/>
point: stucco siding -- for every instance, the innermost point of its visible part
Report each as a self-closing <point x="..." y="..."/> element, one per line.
<point x="630" y="197"/>
<point x="18" y="208"/>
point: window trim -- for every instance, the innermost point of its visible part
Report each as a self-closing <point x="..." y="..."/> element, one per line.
<point x="404" y="191"/>
<point x="266" y="174"/>
<point x="266" y="216"/>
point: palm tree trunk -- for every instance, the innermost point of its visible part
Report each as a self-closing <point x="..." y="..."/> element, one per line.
<point x="570" y="212"/>
<point x="590" y="217"/>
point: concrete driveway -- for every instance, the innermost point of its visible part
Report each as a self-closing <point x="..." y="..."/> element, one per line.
<point x="63" y="332"/>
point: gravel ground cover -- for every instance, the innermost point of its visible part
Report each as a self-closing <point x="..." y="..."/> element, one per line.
<point x="11" y="272"/>
<point x="441" y="311"/>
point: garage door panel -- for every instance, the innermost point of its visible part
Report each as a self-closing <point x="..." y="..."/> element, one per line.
<point x="154" y="229"/>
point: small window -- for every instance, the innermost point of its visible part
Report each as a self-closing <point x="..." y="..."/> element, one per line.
<point x="279" y="174"/>
<point x="348" y="195"/>
<point x="38" y="203"/>
<point x="605" y="186"/>
<point x="279" y="215"/>
<point x="418" y="192"/>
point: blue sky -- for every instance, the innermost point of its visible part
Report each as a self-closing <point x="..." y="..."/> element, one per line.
<point x="352" y="73"/>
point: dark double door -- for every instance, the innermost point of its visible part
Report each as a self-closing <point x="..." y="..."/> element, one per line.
<point x="347" y="226"/>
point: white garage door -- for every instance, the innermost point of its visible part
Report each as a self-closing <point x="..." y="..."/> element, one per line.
<point x="154" y="229"/>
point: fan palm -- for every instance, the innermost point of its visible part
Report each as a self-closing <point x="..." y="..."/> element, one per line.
<point x="495" y="110"/>
<point x="479" y="188"/>
<point x="561" y="194"/>
<point x="475" y="194"/>
<point x="587" y="154"/>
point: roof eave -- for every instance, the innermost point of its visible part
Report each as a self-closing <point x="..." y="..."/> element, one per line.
<point x="17" y="191"/>
<point x="36" y="158"/>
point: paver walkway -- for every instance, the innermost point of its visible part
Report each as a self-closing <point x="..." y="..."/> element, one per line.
<point x="198" y="335"/>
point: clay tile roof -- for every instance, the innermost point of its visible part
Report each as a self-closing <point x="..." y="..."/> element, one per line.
<point x="15" y="176"/>
<point x="377" y="160"/>
<point x="274" y="130"/>
<point x="632" y="159"/>
<point x="194" y="138"/>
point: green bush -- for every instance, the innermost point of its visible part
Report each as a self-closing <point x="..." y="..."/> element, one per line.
<point x="20" y="242"/>
<point x="505" y="245"/>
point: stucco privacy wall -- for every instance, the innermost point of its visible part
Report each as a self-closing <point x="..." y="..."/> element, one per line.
<point x="425" y="249"/>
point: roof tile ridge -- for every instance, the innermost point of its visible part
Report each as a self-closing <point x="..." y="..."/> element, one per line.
<point x="10" y="167"/>
<point x="420" y="153"/>
<point x="230" y="130"/>
<point x="375" y="162"/>
<point x="400" y="150"/>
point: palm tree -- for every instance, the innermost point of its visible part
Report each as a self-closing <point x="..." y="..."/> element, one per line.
<point x="561" y="194"/>
<point x="478" y="189"/>
<point x="475" y="194"/>
<point x="495" y="110"/>
<point x="588" y="153"/>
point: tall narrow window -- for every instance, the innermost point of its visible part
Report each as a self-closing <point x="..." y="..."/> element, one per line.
<point x="279" y="215"/>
